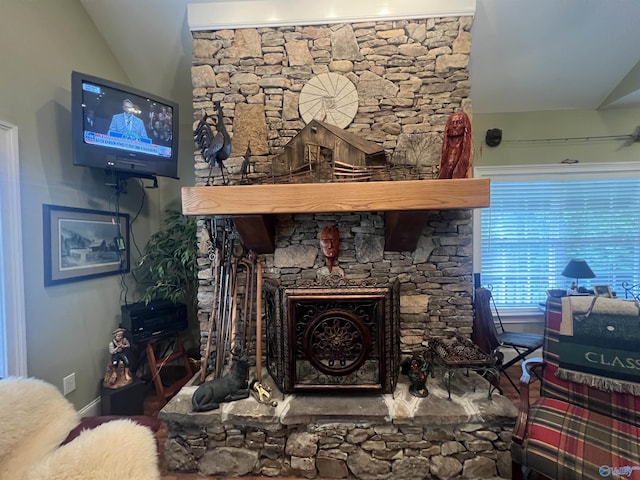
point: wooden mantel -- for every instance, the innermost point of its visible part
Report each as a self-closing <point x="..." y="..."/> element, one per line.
<point x="405" y="203"/>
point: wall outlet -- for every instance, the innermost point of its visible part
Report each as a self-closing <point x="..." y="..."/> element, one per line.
<point x="69" y="383"/>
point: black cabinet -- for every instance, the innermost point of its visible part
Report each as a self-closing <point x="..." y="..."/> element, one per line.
<point x="127" y="400"/>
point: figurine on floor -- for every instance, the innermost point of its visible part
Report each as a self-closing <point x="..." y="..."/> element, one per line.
<point x="228" y="388"/>
<point x="118" y="372"/>
<point x="418" y="371"/>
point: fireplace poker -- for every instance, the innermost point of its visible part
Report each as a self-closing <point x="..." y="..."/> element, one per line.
<point x="259" y="321"/>
<point x="260" y="391"/>
<point x="248" y="262"/>
<point x="221" y="348"/>
<point x="221" y="298"/>
<point x="215" y="264"/>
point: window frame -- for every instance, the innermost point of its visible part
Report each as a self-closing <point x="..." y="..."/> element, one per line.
<point x="12" y="299"/>
<point x="541" y="172"/>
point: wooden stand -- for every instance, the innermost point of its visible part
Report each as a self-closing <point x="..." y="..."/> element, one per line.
<point x="157" y="363"/>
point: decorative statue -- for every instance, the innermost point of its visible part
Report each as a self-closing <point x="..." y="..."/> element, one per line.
<point x="118" y="373"/>
<point x="330" y="243"/>
<point x="417" y="368"/>
<point x="457" y="147"/>
<point x="228" y="388"/>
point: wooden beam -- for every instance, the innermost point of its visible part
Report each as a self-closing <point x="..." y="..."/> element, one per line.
<point x="402" y="229"/>
<point x="257" y="232"/>
<point x="337" y="197"/>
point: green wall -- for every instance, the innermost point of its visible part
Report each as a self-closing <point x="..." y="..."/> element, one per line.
<point x="519" y="129"/>
<point x="68" y="326"/>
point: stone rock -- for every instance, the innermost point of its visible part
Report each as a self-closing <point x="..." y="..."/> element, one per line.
<point x="414" y="303"/>
<point x="290" y="106"/>
<point x="247" y="43"/>
<point x="203" y="76"/>
<point x="302" y="444"/>
<point x="365" y="467"/>
<point x="419" y="149"/>
<point x="343" y="66"/>
<point x="450" y="448"/>
<point x="331" y="467"/>
<point x="344" y="45"/>
<point x="411" y="467"/>
<point x="479" y="467"/>
<point x="204" y="48"/>
<point x="371" y="85"/>
<point x="369" y="248"/>
<point x="417" y="32"/>
<point x="303" y="464"/>
<point x="446" y="62"/>
<point x="462" y="44"/>
<point x="249" y="128"/>
<point x="298" y="53"/>
<point x="228" y="461"/>
<point x="504" y="464"/>
<point x="445" y="468"/>
<point x="412" y="50"/>
<point x="423" y="250"/>
<point x="301" y="256"/>
<point x="179" y="457"/>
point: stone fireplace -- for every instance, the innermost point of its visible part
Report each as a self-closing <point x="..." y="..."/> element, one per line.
<point x="345" y="412"/>
<point x="409" y="75"/>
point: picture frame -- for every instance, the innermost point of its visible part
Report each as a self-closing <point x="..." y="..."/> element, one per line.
<point x="602" y="291"/>
<point x="80" y="244"/>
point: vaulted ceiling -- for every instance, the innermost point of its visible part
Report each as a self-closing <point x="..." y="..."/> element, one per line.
<point x="525" y="56"/>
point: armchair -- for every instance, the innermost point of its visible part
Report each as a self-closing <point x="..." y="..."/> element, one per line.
<point x="586" y="422"/>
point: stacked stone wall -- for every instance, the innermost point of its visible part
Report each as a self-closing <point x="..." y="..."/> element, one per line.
<point x="342" y="450"/>
<point x="410" y="75"/>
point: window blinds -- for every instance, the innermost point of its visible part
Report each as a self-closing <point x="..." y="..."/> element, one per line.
<point x="535" y="226"/>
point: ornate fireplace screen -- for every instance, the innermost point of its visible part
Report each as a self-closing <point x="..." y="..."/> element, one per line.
<point x="332" y="339"/>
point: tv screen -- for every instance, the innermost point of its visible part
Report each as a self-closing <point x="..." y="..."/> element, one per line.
<point x="121" y="129"/>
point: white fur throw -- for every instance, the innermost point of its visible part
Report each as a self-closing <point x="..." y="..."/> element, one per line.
<point x="34" y="420"/>
<point x="116" y="450"/>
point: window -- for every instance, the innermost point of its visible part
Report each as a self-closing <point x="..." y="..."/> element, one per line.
<point x="543" y="216"/>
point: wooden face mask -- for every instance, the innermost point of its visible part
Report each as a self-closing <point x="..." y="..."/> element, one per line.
<point x="330" y="242"/>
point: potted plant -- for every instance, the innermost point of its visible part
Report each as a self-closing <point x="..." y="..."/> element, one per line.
<point x="167" y="269"/>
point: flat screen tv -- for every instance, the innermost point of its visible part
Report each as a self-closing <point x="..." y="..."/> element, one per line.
<point x="123" y="130"/>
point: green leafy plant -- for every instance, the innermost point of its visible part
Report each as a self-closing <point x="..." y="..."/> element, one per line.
<point x="168" y="266"/>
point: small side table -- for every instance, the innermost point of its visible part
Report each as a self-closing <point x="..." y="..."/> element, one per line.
<point x="127" y="400"/>
<point x="458" y="354"/>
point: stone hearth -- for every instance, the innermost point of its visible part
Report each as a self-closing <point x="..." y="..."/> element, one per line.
<point x="378" y="436"/>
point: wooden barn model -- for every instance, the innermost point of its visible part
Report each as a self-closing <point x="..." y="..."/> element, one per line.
<point x="325" y="153"/>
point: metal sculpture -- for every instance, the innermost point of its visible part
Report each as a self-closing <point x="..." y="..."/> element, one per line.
<point x="214" y="148"/>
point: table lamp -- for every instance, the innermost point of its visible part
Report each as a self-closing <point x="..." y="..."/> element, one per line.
<point x="577" y="268"/>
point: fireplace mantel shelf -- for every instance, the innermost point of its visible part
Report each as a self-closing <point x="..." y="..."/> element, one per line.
<point x="405" y="203"/>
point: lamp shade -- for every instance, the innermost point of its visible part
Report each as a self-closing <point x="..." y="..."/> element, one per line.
<point x="577" y="268"/>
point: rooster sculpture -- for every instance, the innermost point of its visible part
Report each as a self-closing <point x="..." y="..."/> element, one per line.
<point x="214" y="148"/>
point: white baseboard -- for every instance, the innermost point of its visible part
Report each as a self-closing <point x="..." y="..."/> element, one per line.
<point x="92" y="409"/>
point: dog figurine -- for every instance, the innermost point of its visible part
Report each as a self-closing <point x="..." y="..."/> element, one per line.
<point x="228" y="388"/>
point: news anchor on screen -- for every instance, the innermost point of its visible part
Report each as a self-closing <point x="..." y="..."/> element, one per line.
<point x="127" y="125"/>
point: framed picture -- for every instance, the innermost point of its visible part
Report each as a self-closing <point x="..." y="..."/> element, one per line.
<point x="80" y="244"/>
<point x="602" y="291"/>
